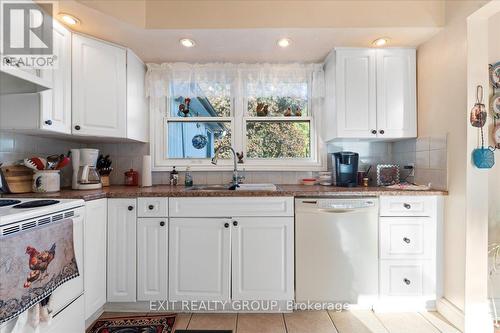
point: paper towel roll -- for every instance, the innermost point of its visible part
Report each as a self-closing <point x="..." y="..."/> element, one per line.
<point x="146" y="171"/>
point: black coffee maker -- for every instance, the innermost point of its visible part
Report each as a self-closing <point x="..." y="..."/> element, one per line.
<point x="346" y="169"/>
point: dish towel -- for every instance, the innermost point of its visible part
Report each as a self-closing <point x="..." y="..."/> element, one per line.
<point x="33" y="263"/>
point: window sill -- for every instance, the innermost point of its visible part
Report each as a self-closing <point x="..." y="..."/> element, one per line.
<point x="225" y="166"/>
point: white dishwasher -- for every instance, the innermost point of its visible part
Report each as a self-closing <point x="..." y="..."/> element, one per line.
<point x="336" y="250"/>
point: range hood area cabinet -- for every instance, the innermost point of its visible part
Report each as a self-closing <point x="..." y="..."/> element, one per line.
<point x="108" y="91"/>
<point x="371" y="94"/>
<point x="49" y="110"/>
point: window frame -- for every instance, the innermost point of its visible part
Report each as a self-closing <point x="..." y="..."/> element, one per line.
<point x="238" y="120"/>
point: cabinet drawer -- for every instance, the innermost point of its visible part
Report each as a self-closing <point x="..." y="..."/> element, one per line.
<point x="152" y="207"/>
<point x="407" y="206"/>
<point x="407" y="238"/>
<point x="232" y="206"/>
<point x="406" y="278"/>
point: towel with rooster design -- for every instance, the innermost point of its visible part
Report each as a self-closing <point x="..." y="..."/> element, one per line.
<point x="33" y="263"/>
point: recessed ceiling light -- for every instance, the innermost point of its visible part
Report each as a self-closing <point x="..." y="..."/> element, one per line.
<point x="284" y="42"/>
<point x="380" y="41"/>
<point x="186" y="42"/>
<point x="68" y="19"/>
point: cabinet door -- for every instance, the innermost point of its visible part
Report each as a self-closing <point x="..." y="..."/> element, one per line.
<point x="55" y="104"/>
<point x="152" y="259"/>
<point x="121" y="285"/>
<point x="356" y="93"/>
<point x="99" y="88"/>
<point x="262" y="258"/>
<point x="199" y="259"/>
<point x="396" y="93"/>
<point x="137" y="103"/>
<point x="96" y="214"/>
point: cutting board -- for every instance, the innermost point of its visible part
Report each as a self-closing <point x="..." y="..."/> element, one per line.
<point x="18" y="178"/>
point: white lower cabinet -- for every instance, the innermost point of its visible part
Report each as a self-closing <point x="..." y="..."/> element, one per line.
<point x="410" y="252"/>
<point x="199" y="259"/>
<point x="95" y="228"/>
<point x="122" y="221"/>
<point x="152" y="259"/>
<point x="262" y="258"/>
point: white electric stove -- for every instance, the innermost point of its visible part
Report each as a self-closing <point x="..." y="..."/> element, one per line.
<point x="20" y="214"/>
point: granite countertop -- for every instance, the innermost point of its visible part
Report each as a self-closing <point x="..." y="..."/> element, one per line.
<point x="181" y="191"/>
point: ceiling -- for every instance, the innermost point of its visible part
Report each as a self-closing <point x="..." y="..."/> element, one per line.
<point x="152" y="29"/>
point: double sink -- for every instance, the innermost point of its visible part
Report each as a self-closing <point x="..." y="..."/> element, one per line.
<point x="241" y="187"/>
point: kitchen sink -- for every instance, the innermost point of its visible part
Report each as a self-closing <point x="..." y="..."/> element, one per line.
<point x="242" y="187"/>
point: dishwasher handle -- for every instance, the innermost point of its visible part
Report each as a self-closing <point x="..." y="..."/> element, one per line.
<point x="342" y="211"/>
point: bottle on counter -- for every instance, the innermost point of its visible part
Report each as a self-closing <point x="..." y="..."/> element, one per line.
<point x="188" y="179"/>
<point x="174" y="177"/>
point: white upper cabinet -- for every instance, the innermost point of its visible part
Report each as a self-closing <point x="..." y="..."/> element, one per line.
<point x="99" y="88"/>
<point x="396" y="93"/>
<point x="56" y="103"/>
<point x="373" y="95"/>
<point x="356" y="93"/>
<point x="108" y="91"/>
<point x="49" y="110"/>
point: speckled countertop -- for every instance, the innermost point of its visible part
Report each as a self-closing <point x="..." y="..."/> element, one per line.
<point x="181" y="191"/>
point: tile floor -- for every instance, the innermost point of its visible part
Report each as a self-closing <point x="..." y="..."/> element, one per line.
<point x="355" y="321"/>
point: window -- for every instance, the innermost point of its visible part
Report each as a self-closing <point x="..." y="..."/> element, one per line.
<point x="272" y="120"/>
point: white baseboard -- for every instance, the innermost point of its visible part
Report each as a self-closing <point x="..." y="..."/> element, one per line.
<point x="90" y="320"/>
<point x="453" y="314"/>
<point x="496" y="302"/>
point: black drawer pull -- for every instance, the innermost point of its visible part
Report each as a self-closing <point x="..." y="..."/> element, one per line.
<point x="406" y="240"/>
<point x="151" y="207"/>
<point x="407" y="206"/>
<point x="408" y="282"/>
<point x="162" y="224"/>
<point x="130" y="207"/>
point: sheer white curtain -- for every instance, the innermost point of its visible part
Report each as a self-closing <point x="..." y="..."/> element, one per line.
<point x="250" y="80"/>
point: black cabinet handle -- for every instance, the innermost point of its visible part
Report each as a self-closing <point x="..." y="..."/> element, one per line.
<point x="77" y="127"/>
<point x="151" y="207"/>
<point x="407" y="206"/>
<point x="226" y="225"/>
<point x="130" y="207"/>
<point x="48" y="122"/>
<point x="162" y="224"/>
<point x="381" y="131"/>
<point x="235" y="223"/>
<point x="374" y="131"/>
<point x="406" y="240"/>
<point x="408" y="282"/>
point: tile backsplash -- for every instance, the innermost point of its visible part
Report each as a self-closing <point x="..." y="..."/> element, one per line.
<point x="428" y="155"/>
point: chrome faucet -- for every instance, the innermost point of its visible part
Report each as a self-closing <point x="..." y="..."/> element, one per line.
<point x="236" y="177"/>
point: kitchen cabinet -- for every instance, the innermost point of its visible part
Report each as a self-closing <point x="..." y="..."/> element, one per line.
<point x="152" y="258"/>
<point x="262" y="258"/>
<point x="121" y="247"/>
<point x="199" y="259"/>
<point x="410" y="232"/>
<point x="49" y="110"/>
<point x="96" y="214"/>
<point x="108" y="91"/>
<point x="373" y="95"/>
<point x="99" y="88"/>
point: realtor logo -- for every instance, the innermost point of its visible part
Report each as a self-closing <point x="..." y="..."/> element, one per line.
<point x="27" y="29"/>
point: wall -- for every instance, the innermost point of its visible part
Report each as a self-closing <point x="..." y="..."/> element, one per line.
<point x="442" y="105"/>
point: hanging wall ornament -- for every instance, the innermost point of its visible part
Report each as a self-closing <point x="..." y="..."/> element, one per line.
<point x="495" y="104"/>
<point x="478" y="113"/>
<point x="495" y="75"/>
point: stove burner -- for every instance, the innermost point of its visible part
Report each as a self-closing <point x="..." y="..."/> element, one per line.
<point x="36" y="203"/>
<point x="8" y="202"/>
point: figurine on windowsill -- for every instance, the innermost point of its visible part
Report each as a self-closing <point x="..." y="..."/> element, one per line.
<point x="262" y="109"/>
<point x="288" y="112"/>
<point x="298" y="112"/>
<point x="240" y="157"/>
